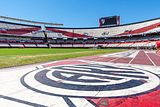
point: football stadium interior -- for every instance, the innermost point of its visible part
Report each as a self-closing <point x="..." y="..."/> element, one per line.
<point x="47" y="65"/>
<point x="137" y="35"/>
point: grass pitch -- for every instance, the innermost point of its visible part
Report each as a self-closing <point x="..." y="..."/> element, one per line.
<point x="15" y="56"/>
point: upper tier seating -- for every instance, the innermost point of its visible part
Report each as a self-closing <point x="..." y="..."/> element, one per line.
<point x="135" y="35"/>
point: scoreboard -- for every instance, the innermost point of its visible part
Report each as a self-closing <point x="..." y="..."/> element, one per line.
<point x="109" y="21"/>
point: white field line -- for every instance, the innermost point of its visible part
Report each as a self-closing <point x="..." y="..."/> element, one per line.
<point x="114" y="59"/>
<point x="134" y="57"/>
<point x="150" y="60"/>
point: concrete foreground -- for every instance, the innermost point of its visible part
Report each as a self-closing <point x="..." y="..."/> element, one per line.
<point x="124" y="79"/>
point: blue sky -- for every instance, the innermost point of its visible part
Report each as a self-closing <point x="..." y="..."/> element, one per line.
<point x="80" y="13"/>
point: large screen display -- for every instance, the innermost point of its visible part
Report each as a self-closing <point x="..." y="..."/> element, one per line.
<point x="109" y="21"/>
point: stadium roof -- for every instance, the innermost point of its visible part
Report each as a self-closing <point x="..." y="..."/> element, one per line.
<point x="29" y="21"/>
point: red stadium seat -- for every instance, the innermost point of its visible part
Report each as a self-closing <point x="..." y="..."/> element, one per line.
<point x="158" y="44"/>
<point x="158" y="47"/>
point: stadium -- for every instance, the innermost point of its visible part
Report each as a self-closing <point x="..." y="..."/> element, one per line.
<point x="138" y="35"/>
<point x="109" y="80"/>
<point x="47" y="64"/>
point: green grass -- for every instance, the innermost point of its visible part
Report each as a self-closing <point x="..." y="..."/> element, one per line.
<point x="15" y="56"/>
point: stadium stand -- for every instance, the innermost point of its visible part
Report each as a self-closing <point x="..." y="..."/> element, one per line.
<point x="135" y="35"/>
<point x="17" y="29"/>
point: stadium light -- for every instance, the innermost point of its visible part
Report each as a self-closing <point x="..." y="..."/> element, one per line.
<point x="144" y="34"/>
<point x="75" y="38"/>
